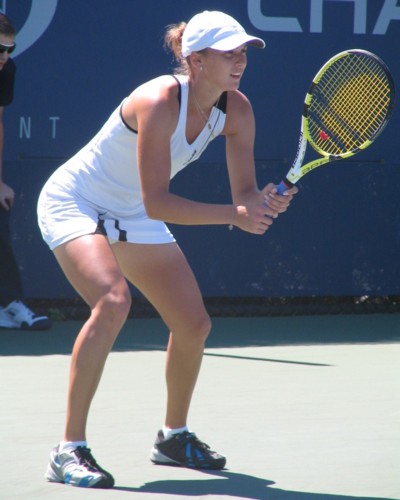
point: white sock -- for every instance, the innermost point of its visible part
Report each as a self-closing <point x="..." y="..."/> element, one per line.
<point x="170" y="432"/>
<point x="65" y="445"/>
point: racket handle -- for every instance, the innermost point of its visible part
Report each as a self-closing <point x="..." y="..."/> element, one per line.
<point x="283" y="186"/>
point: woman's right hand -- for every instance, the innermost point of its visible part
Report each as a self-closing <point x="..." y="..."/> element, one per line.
<point x="254" y="219"/>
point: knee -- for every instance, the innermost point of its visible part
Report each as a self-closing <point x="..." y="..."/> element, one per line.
<point x="115" y="304"/>
<point x="201" y="328"/>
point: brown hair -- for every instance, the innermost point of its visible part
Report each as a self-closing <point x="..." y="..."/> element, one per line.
<point x="6" y="26"/>
<point x="173" y="43"/>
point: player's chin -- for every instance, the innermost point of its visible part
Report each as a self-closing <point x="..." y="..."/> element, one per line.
<point x="234" y="82"/>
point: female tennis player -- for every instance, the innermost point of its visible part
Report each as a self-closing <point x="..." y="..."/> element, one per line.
<point x="103" y="214"/>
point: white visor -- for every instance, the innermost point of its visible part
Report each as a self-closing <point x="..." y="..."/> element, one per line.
<point x="215" y="30"/>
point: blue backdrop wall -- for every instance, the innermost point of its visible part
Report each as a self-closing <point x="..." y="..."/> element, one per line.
<point x="78" y="59"/>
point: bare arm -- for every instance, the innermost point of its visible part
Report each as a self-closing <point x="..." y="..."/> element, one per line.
<point x="240" y="134"/>
<point x="153" y="109"/>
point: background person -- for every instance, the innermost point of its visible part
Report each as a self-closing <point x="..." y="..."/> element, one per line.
<point x="13" y="312"/>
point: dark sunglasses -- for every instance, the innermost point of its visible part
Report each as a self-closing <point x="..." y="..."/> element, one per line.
<point x="7" y="48"/>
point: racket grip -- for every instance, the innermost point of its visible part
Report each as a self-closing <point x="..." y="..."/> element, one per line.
<point x="283" y="186"/>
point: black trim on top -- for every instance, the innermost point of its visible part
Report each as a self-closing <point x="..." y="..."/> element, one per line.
<point x="124" y="122"/>
<point x="179" y="90"/>
<point x="222" y="102"/>
<point x="179" y="99"/>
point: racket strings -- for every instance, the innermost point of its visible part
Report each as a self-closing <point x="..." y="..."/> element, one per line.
<point x="348" y="115"/>
<point x="357" y="113"/>
<point x="363" y="90"/>
<point x="349" y="104"/>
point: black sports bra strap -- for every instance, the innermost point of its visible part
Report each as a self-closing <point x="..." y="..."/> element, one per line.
<point x="179" y="90"/>
<point x="222" y="102"/>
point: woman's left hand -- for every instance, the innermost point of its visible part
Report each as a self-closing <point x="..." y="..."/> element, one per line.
<point x="275" y="201"/>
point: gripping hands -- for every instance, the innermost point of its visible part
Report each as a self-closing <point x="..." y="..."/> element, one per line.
<point x="258" y="214"/>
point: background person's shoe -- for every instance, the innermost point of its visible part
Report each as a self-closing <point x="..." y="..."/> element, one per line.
<point x="18" y="316"/>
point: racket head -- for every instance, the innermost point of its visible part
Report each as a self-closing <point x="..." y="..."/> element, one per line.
<point x="348" y="104"/>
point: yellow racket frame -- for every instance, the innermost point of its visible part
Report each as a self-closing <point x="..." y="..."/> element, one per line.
<point x="347" y="106"/>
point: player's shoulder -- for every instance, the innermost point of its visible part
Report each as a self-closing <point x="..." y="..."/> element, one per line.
<point x="237" y="99"/>
<point x="238" y="105"/>
<point x="239" y="113"/>
<point x="160" y="89"/>
<point x="155" y="102"/>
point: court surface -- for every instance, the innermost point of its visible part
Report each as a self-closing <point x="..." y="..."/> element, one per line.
<point x="304" y="408"/>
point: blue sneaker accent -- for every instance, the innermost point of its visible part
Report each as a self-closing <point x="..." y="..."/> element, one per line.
<point x="86" y="481"/>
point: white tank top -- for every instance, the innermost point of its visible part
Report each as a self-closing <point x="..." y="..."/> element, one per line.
<point x="105" y="172"/>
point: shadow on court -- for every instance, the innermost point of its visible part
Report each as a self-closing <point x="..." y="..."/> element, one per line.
<point x="151" y="334"/>
<point x="311" y="402"/>
<point x="231" y="485"/>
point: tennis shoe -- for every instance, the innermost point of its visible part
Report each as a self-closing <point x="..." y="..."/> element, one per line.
<point x="18" y="316"/>
<point x="186" y="450"/>
<point x="77" y="467"/>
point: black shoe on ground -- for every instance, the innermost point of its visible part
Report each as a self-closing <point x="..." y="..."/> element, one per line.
<point x="186" y="450"/>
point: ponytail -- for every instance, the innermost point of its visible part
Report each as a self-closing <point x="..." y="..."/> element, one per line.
<point x="173" y="43"/>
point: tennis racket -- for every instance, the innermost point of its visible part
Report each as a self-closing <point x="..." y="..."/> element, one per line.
<point x="346" y="108"/>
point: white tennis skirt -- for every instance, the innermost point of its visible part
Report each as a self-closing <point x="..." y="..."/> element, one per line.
<point x="62" y="217"/>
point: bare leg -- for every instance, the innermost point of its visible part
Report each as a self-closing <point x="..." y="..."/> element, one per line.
<point x="163" y="275"/>
<point x="90" y="265"/>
